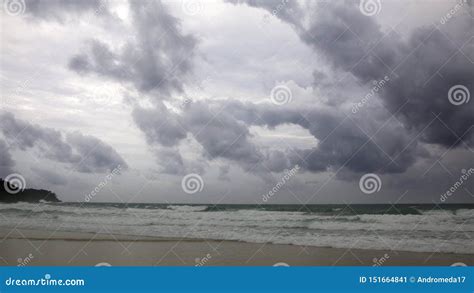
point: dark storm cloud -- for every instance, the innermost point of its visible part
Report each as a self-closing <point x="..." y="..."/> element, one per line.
<point x="341" y="32"/>
<point x="86" y="154"/>
<point x="160" y="56"/>
<point x="96" y="156"/>
<point x="425" y="78"/>
<point x="156" y="58"/>
<point x="166" y="51"/>
<point x="354" y="150"/>
<point x="6" y="161"/>
<point x="59" y="9"/>
<point x="359" y="143"/>
<point x="159" y="125"/>
<point x="424" y="68"/>
<point x="24" y="135"/>
<point x="350" y="39"/>
<point x="220" y="134"/>
<point x="170" y="161"/>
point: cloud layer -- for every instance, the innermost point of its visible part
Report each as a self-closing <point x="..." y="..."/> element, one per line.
<point x="422" y="69"/>
<point x="363" y="96"/>
<point x="155" y="58"/>
<point x="86" y="154"/>
<point x="6" y="161"/>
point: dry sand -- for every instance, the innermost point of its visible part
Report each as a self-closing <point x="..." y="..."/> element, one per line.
<point x="40" y="248"/>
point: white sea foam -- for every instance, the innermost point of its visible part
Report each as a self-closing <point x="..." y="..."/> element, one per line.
<point x="435" y="230"/>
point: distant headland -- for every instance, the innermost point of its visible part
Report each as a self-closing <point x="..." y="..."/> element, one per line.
<point x="26" y="195"/>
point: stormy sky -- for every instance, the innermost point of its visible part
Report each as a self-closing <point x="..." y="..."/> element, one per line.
<point x="239" y="101"/>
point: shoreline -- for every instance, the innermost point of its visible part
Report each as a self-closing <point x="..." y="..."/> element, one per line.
<point x="43" y="248"/>
<point x="88" y="236"/>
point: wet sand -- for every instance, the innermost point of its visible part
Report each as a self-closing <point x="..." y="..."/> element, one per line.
<point x="42" y="248"/>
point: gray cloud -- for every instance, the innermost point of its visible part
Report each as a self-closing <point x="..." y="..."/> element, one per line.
<point x="220" y="134"/>
<point x="60" y="9"/>
<point x="224" y="172"/>
<point x="96" y="156"/>
<point x="154" y="59"/>
<point x="350" y="39"/>
<point x="24" y="135"/>
<point x="170" y="161"/>
<point x="157" y="61"/>
<point x="6" y="161"/>
<point x="159" y="125"/>
<point x="358" y="143"/>
<point x="425" y="78"/>
<point x="337" y="30"/>
<point x="424" y="68"/>
<point x="146" y="51"/>
<point x="286" y="10"/>
<point x="222" y="129"/>
<point x="85" y="153"/>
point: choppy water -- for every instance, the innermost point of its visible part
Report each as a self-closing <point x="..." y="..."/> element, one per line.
<point x="400" y="227"/>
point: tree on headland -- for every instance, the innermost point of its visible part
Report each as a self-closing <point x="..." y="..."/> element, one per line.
<point x="26" y="195"/>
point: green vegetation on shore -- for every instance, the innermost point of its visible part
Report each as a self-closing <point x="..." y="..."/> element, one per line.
<point x="26" y="195"/>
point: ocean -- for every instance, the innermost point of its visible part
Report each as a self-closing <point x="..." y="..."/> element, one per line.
<point x="428" y="228"/>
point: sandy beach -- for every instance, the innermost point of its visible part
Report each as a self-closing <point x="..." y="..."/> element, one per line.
<point x="40" y="248"/>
